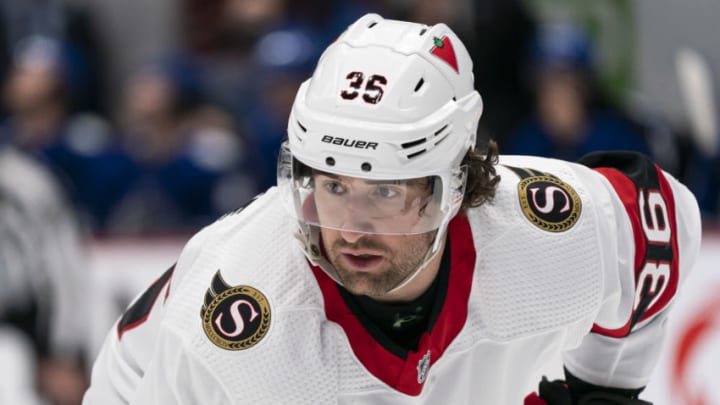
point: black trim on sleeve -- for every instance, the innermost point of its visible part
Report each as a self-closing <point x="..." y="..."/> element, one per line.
<point x="579" y="389"/>
<point x="636" y="166"/>
<point x="525" y="172"/>
<point x="138" y="312"/>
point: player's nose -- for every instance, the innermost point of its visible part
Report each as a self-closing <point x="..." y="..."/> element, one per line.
<point x="355" y="224"/>
<point x="351" y="236"/>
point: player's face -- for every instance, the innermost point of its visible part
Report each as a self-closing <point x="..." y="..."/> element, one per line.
<point x="373" y="265"/>
<point x="370" y="263"/>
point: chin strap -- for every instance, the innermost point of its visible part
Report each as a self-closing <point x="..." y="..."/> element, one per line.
<point x="309" y="238"/>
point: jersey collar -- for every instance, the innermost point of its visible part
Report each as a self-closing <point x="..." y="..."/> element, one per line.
<point x="406" y="370"/>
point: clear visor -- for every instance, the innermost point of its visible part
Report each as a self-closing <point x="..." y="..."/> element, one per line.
<point x="399" y="206"/>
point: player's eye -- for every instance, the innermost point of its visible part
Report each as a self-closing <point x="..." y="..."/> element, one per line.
<point x="334" y="187"/>
<point x="386" y="192"/>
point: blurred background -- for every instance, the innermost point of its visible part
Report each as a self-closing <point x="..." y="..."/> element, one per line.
<point x="127" y="126"/>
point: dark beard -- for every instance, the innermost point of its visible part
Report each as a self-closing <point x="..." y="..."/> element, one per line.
<point x="400" y="266"/>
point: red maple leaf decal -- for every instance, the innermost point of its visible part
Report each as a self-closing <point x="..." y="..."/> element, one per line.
<point x="443" y="49"/>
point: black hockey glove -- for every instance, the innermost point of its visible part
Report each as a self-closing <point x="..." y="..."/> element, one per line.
<point x="558" y="393"/>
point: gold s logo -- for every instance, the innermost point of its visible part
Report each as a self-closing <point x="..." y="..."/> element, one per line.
<point x="234" y="318"/>
<point x="549" y="203"/>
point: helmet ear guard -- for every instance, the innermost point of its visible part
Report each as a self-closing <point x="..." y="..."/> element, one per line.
<point x="389" y="102"/>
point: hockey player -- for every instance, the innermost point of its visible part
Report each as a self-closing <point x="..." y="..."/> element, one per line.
<point x="395" y="263"/>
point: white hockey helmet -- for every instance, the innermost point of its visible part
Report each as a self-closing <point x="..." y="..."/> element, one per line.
<point x="388" y="101"/>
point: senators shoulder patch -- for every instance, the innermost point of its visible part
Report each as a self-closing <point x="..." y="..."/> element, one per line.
<point x="234" y="317"/>
<point x="546" y="201"/>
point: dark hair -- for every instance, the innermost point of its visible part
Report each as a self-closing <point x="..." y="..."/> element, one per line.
<point x="482" y="179"/>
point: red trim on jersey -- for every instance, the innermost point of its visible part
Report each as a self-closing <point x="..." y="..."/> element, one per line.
<point x="402" y="374"/>
<point x="167" y="291"/>
<point x="627" y="191"/>
<point x="534" y="399"/>
<point x="122" y="330"/>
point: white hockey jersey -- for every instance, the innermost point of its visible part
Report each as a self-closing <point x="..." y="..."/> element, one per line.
<point x="565" y="260"/>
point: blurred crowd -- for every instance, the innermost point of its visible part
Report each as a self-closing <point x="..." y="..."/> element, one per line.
<point x="195" y="130"/>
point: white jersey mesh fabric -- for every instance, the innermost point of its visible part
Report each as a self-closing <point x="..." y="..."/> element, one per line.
<point x="529" y="280"/>
<point x="265" y="255"/>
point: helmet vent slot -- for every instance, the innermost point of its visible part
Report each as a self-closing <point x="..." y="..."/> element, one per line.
<point x="441" y="130"/>
<point x="418" y="153"/>
<point x="423" y="31"/>
<point x="301" y="126"/>
<point x="419" y="84"/>
<point x="442" y="138"/>
<point x="441" y="134"/>
<point x="372" y="24"/>
<point x="416" y="142"/>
